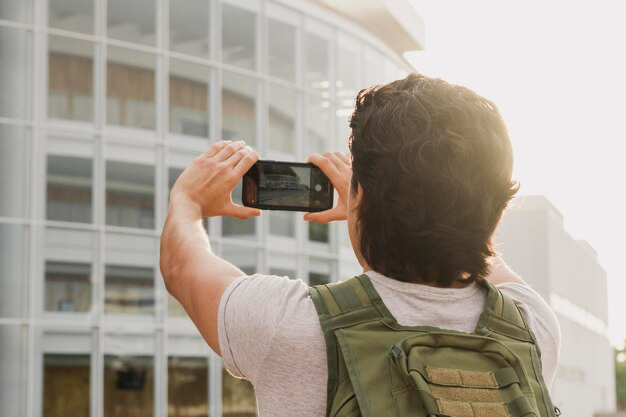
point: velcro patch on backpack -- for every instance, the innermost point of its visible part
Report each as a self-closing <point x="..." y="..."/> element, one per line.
<point x="459" y="396"/>
<point x="472" y="409"/>
<point x="465" y="394"/>
<point x="446" y="376"/>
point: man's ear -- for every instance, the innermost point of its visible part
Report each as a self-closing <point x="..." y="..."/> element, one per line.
<point x="359" y="194"/>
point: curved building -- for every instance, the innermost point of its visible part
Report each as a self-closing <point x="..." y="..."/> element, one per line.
<point x="102" y="104"/>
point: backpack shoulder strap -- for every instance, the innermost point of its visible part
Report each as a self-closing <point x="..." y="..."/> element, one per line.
<point x="501" y="315"/>
<point x="349" y="302"/>
<point x="339" y="305"/>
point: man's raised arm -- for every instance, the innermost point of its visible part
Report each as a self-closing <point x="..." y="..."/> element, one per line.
<point x="192" y="273"/>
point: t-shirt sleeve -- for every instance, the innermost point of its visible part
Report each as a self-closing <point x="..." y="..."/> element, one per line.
<point x="250" y="313"/>
<point x="542" y="321"/>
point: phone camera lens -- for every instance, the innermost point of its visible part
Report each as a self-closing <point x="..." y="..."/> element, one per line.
<point x="318" y="187"/>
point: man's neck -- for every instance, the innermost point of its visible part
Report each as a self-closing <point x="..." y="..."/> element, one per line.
<point x="460" y="282"/>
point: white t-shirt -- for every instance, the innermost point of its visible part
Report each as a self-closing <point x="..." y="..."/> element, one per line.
<point x="270" y="334"/>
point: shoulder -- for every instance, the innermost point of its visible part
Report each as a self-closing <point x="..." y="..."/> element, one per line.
<point x="252" y="311"/>
<point x="532" y="304"/>
<point x="269" y="295"/>
<point x="541" y="320"/>
<point x="269" y="298"/>
<point x="273" y="283"/>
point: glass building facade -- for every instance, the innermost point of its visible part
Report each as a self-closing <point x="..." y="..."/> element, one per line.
<point x="103" y="103"/>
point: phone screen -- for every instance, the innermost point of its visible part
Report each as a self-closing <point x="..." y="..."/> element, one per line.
<point x="287" y="186"/>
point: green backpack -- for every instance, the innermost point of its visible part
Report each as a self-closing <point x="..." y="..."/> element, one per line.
<point x="378" y="368"/>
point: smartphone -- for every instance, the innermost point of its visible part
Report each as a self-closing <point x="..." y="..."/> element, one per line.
<point x="292" y="186"/>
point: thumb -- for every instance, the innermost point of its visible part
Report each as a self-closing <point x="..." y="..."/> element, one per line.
<point x="322" y="217"/>
<point x="241" y="212"/>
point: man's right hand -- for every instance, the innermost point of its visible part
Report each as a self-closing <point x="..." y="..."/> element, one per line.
<point x="337" y="167"/>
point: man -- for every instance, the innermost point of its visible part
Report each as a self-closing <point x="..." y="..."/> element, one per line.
<point x="423" y="190"/>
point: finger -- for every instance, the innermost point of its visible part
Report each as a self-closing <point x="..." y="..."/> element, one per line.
<point x="229" y="149"/>
<point x="327" y="167"/>
<point x="215" y="148"/>
<point x="345" y="157"/>
<point x="241" y="212"/>
<point x="237" y="156"/>
<point x="323" y="217"/>
<point x="341" y="165"/>
<point x="246" y="162"/>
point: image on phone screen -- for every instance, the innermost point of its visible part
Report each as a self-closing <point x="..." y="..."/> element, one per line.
<point x="287" y="186"/>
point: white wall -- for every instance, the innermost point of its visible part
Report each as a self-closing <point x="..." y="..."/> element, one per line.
<point x="533" y="241"/>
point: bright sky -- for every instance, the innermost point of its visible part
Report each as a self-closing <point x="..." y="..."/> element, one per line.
<point x="557" y="71"/>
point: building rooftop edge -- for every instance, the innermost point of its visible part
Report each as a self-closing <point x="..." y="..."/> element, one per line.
<point x="535" y="201"/>
<point x="395" y="22"/>
<point x="541" y="202"/>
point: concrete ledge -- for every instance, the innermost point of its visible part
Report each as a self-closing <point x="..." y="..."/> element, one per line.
<point x="395" y="22"/>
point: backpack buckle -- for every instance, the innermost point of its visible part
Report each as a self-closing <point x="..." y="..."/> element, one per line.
<point x="396" y="352"/>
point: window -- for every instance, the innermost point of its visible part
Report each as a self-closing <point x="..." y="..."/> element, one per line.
<point x="70" y="78"/>
<point x="319" y="271"/>
<point x="232" y="226"/>
<point x="66" y="385"/>
<point x="132" y="21"/>
<point x="14" y="168"/>
<point x="242" y="257"/>
<point x="13" y="359"/>
<point x="20" y="11"/>
<point x="344" y="235"/>
<point x="188" y="387"/>
<point x="317" y="125"/>
<point x="319" y="232"/>
<point x="238" y="37"/>
<point x="282" y="272"/>
<point x="317" y="74"/>
<point x="128" y="290"/>
<point x="237" y="397"/>
<point x="173" y="174"/>
<point x="68" y="195"/>
<point x="189" y="27"/>
<point x="128" y="386"/>
<point x="12" y="273"/>
<point x="130" y="88"/>
<point x="68" y="287"/>
<point x="16" y="69"/>
<point x="347" y="84"/>
<point x="282" y="223"/>
<point x="343" y="129"/>
<point x="189" y="98"/>
<point x="390" y="70"/>
<point x="129" y="195"/>
<point x="316" y="278"/>
<point x="282" y="119"/>
<point x="372" y="66"/>
<point x="239" y="108"/>
<point x="174" y="308"/>
<point x="71" y="15"/>
<point x="282" y="264"/>
<point x="282" y="50"/>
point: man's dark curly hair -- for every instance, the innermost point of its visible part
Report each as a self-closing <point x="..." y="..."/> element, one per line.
<point x="434" y="161"/>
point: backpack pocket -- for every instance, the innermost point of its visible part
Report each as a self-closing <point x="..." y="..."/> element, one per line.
<point x="459" y="375"/>
<point x="348" y="406"/>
